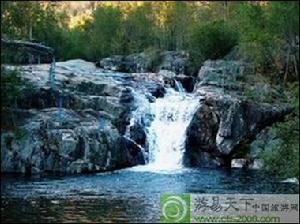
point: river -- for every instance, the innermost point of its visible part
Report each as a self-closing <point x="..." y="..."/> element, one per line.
<point x="132" y="194"/>
<point x="128" y="195"/>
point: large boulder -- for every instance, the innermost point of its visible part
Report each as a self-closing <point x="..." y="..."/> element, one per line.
<point x="139" y="62"/>
<point x="64" y="141"/>
<point x="226" y="118"/>
<point x="171" y="65"/>
<point x="114" y="63"/>
<point x="175" y="61"/>
<point x="76" y="124"/>
<point x="187" y="82"/>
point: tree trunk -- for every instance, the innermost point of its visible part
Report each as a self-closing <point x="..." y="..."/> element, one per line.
<point x="30" y="31"/>
<point x="287" y="63"/>
<point x="295" y="66"/>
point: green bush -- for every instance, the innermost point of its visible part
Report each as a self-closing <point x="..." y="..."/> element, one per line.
<point x="283" y="159"/>
<point x="266" y="33"/>
<point x="210" y="41"/>
<point x="10" y="88"/>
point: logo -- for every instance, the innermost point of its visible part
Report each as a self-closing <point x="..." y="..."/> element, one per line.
<point x="175" y="208"/>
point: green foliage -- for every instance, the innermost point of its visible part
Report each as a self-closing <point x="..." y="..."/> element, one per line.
<point x="75" y="44"/>
<point x="210" y="41"/>
<point x="102" y="32"/>
<point x="282" y="159"/>
<point x="138" y="29"/>
<point x="267" y="35"/>
<point x="293" y="96"/>
<point x="34" y="21"/>
<point x="283" y="19"/>
<point x="266" y="32"/>
<point x="12" y="57"/>
<point x="10" y="88"/>
<point x="17" y="18"/>
<point x="176" y="27"/>
<point x="49" y="30"/>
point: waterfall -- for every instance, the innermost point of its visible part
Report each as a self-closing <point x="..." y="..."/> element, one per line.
<point x="166" y="128"/>
<point x="178" y="86"/>
<point x="51" y="77"/>
<point x="167" y="132"/>
<point x="60" y="109"/>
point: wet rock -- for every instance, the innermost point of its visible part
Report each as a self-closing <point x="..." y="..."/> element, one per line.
<point x="84" y="148"/>
<point x="131" y="63"/>
<point x="200" y="159"/>
<point x="222" y="74"/>
<point x="137" y="134"/>
<point x="247" y="163"/>
<point x="175" y="61"/>
<point x="156" y="89"/>
<point x="173" y="65"/>
<point x="167" y="74"/>
<point x="238" y="163"/>
<point x="134" y="151"/>
<point x="256" y="164"/>
<point x="77" y="126"/>
<point x="226" y="118"/>
<point x="79" y="166"/>
<point x="138" y="63"/>
<point x="76" y="66"/>
<point x="186" y="81"/>
<point x="114" y="63"/>
<point x="126" y="96"/>
<point x="293" y="180"/>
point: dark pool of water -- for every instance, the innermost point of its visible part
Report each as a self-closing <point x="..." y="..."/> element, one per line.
<point x="119" y="196"/>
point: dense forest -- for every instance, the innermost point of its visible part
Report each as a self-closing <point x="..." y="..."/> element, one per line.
<point x="265" y="34"/>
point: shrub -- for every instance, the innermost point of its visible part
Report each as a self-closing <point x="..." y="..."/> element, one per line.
<point x="10" y="87"/>
<point x="210" y="41"/>
<point x="283" y="159"/>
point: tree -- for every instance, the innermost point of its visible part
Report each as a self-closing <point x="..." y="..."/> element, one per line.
<point x="268" y="34"/>
<point x="283" y="20"/>
<point x="177" y="21"/>
<point x="138" y="28"/>
<point x="17" y="18"/>
<point x="210" y="41"/>
<point x="102" y="32"/>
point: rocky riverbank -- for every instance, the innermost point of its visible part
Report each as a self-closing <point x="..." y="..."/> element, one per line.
<point x="80" y="122"/>
<point x="228" y="118"/>
<point x="77" y="124"/>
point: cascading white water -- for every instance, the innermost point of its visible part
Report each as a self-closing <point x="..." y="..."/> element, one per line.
<point x="165" y="121"/>
<point x="167" y="132"/>
<point x="179" y="87"/>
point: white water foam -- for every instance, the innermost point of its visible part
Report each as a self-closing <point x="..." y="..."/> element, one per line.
<point x="166" y="134"/>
